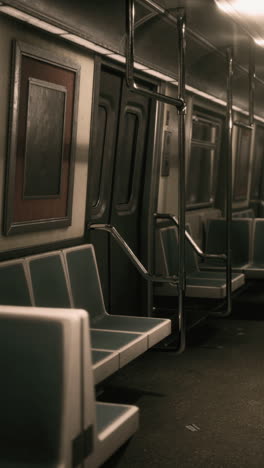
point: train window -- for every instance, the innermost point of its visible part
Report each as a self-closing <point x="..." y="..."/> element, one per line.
<point x="202" y="161"/>
<point x="100" y="146"/>
<point x="242" y="161"/>
<point x="203" y="130"/>
<point x="127" y="162"/>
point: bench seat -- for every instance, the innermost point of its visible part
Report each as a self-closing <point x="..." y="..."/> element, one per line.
<point x="115" y="425"/>
<point x="69" y="277"/>
<point x="255" y="269"/>
<point x="105" y="363"/>
<point x="156" y="329"/>
<point x="86" y="291"/>
<point x="203" y="284"/>
<point x="16" y="289"/>
<point x="241" y="243"/>
<point x="127" y="345"/>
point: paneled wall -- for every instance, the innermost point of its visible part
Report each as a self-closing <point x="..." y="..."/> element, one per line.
<point x="12" y="30"/>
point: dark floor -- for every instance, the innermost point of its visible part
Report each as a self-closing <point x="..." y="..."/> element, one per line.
<point x="204" y="408"/>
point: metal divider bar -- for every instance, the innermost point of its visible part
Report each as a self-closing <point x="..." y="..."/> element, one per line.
<point x="229" y="171"/>
<point x="129" y="252"/>
<point x="189" y="238"/>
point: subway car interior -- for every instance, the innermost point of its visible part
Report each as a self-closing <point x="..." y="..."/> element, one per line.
<point x="132" y="233"/>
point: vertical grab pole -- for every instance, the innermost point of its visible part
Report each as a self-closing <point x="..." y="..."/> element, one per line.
<point x="180" y="105"/>
<point x="251" y="71"/>
<point x="229" y="164"/>
<point x="181" y="177"/>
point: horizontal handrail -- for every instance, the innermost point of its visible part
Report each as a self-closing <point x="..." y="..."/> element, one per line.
<point x="160" y="11"/>
<point x="189" y="238"/>
<point x="129" y="252"/>
<point x="238" y="123"/>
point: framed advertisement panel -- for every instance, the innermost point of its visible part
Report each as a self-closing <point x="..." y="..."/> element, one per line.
<point x="42" y="140"/>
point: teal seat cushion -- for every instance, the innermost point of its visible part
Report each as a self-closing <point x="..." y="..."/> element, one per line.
<point x="85" y="281"/>
<point x="49" y="282"/>
<point x="13" y="285"/>
<point x="31" y="397"/>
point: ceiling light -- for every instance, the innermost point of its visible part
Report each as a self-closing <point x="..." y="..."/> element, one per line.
<point x="30" y="19"/>
<point x="224" y="6"/>
<point x="87" y="44"/>
<point x="118" y="58"/>
<point x="259" y="42"/>
<point x="249" y="8"/>
<point x="159" y="75"/>
<point x="46" y="26"/>
<point x="241" y="7"/>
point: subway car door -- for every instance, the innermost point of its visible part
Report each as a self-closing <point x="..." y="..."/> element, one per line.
<point x="119" y="186"/>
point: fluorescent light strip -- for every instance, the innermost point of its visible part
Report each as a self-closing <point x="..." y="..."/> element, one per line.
<point x="122" y="59"/>
<point x="117" y="57"/>
<point x="259" y="42"/>
<point x="159" y="75"/>
<point x="224" y="6"/>
<point x="92" y="46"/>
<point x="250" y="8"/>
<point x="87" y="44"/>
<point x="211" y="98"/>
<point x="31" y="20"/>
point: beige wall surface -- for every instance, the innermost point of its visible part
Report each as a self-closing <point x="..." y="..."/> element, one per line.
<point x="12" y="30"/>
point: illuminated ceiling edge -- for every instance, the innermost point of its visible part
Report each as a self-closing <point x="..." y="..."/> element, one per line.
<point x="89" y="45"/>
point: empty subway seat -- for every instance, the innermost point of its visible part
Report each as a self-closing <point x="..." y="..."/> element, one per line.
<point x="241" y="238"/>
<point x="249" y="213"/>
<point x="111" y="424"/>
<point x="49" y="416"/>
<point x="256" y="267"/>
<point x="50" y="289"/>
<point x="87" y="293"/>
<point x="14" y="286"/>
<point x="199" y="283"/>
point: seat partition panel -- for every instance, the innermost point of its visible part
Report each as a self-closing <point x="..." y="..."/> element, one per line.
<point x="31" y="390"/>
<point x="240" y="240"/>
<point x="14" y="288"/>
<point x="49" y="281"/>
<point x="169" y="241"/>
<point x="85" y="281"/>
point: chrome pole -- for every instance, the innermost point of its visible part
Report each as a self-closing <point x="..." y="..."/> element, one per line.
<point x="229" y="173"/>
<point x="132" y="85"/>
<point x="181" y="176"/>
<point x="180" y="105"/>
<point x="252" y="76"/>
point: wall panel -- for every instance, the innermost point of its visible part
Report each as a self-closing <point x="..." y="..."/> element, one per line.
<point x="11" y="30"/>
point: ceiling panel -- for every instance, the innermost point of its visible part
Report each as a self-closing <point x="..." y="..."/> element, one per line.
<point x="210" y="31"/>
